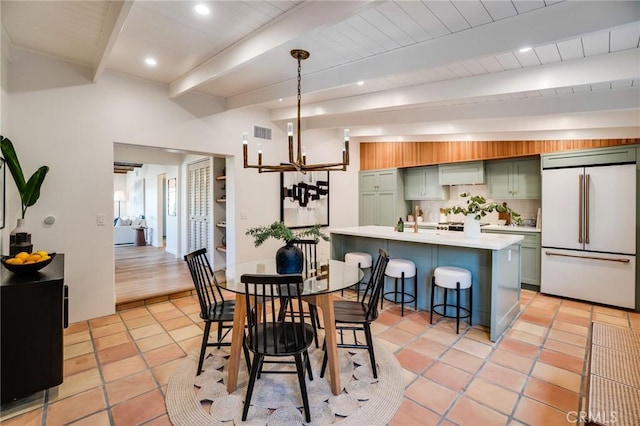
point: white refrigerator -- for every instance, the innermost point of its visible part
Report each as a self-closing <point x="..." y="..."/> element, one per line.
<point x="588" y="233"/>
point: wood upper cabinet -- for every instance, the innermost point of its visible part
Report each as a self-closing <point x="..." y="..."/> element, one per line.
<point x="515" y="179"/>
<point x="422" y="183"/>
<point x="467" y="173"/>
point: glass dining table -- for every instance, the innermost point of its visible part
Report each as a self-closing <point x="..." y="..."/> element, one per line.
<point x="318" y="290"/>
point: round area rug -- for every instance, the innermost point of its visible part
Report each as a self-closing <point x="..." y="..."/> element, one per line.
<point x="276" y="397"/>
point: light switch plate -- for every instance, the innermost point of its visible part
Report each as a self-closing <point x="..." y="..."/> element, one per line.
<point x="100" y="220"/>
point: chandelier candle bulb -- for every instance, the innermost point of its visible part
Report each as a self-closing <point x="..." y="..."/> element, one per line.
<point x="244" y="149"/>
<point x="289" y="129"/>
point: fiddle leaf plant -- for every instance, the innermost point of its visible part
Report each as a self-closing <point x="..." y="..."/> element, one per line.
<point x="280" y="231"/>
<point x="29" y="190"/>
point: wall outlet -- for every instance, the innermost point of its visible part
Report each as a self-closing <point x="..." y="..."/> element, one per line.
<point x="100" y="220"/>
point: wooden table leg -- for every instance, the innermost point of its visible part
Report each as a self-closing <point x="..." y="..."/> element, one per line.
<point x="325" y="302"/>
<point x="239" y="317"/>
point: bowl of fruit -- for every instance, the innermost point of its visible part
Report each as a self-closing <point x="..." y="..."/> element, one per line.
<point x="24" y="262"/>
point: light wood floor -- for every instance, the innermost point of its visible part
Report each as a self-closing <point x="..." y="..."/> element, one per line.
<point x="147" y="272"/>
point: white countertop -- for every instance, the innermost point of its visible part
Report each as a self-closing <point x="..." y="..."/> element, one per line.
<point x="432" y="236"/>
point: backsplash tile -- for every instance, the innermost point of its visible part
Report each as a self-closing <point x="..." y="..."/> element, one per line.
<point x="528" y="209"/>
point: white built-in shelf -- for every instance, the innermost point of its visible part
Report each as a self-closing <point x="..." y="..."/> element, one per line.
<point x="221" y="225"/>
<point x="222" y="249"/>
<point x="221" y="200"/>
<point x="221" y="178"/>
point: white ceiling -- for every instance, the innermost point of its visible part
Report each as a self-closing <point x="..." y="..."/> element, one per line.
<point x="430" y="68"/>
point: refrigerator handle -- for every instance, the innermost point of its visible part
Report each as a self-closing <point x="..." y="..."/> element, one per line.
<point x="580" y="205"/>
<point x="586" y="209"/>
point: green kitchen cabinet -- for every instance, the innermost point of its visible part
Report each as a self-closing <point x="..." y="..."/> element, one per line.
<point x="466" y="173"/>
<point x="422" y="183"/>
<point x="529" y="256"/>
<point x="514" y="179"/>
<point x="381" y="200"/>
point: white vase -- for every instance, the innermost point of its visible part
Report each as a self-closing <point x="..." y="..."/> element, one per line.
<point x="471" y="227"/>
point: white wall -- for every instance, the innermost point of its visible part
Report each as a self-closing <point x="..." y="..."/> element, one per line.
<point x="153" y="207"/>
<point x="58" y="117"/>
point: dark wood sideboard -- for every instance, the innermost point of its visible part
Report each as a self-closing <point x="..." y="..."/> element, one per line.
<point x="34" y="311"/>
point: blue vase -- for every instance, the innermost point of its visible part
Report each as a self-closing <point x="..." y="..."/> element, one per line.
<point x="289" y="260"/>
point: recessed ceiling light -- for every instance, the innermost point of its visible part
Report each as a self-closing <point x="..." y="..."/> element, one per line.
<point x="524" y="49"/>
<point x="280" y="100"/>
<point x="202" y="9"/>
<point x="151" y="62"/>
<point x="360" y="83"/>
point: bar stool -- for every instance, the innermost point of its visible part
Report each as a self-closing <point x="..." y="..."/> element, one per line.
<point x="451" y="278"/>
<point x="401" y="268"/>
<point x="361" y="260"/>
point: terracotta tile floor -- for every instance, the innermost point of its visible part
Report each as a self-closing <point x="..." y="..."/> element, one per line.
<point x="117" y="367"/>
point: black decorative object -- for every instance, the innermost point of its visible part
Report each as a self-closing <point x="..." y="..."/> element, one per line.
<point x="304" y="199"/>
<point x="289" y="259"/>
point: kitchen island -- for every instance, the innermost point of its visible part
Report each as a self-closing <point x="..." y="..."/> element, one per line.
<point x="493" y="259"/>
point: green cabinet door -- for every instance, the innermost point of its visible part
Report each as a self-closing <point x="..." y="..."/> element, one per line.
<point x="466" y="173"/>
<point x="381" y="200"/>
<point x="529" y="256"/>
<point x="514" y="179"/>
<point x="421" y="183"/>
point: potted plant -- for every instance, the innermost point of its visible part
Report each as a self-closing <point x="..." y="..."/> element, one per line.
<point x="476" y="208"/>
<point x="289" y="258"/>
<point x="29" y="191"/>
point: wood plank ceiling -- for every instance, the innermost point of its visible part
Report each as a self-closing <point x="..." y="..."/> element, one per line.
<point x="424" y="67"/>
<point x="121" y="167"/>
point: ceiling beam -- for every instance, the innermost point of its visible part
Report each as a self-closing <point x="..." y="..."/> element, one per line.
<point x="114" y="23"/>
<point x="562" y="21"/>
<point x="514" y="110"/>
<point x="305" y="17"/>
<point x="596" y="69"/>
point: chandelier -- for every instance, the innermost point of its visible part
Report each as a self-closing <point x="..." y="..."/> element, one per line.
<point x="299" y="163"/>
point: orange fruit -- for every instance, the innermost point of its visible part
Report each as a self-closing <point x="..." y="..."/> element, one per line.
<point x="33" y="258"/>
<point x="22" y="255"/>
<point x="17" y="261"/>
<point x="28" y="262"/>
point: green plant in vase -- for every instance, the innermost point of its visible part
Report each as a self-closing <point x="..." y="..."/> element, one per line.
<point x="289" y="258"/>
<point x="29" y="191"/>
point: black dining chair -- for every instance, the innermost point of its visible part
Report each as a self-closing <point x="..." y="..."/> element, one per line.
<point x="358" y="315"/>
<point x="270" y="334"/>
<point x="213" y="307"/>
<point x="310" y="269"/>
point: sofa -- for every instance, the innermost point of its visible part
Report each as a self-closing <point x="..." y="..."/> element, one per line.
<point x="124" y="230"/>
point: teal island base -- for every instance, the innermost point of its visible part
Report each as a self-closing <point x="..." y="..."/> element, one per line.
<point x="493" y="259"/>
